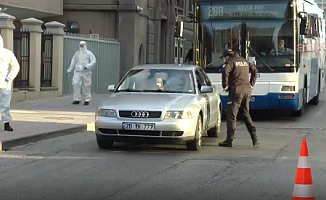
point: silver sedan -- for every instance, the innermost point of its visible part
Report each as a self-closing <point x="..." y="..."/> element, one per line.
<point x="160" y="104"/>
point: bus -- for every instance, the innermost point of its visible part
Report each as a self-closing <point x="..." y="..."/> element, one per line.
<point x="284" y="38"/>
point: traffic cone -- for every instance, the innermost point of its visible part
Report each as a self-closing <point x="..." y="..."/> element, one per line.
<point x="303" y="187"/>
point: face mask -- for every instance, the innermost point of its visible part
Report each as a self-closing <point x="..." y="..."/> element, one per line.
<point x="281" y="46"/>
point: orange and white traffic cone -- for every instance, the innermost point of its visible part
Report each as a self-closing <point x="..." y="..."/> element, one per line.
<point x="303" y="187"/>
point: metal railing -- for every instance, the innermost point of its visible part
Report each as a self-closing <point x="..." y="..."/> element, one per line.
<point x="22" y="53"/>
<point x="46" y="60"/>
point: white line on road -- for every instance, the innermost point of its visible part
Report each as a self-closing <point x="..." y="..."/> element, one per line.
<point x="50" y="157"/>
<point x="21" y="156"/>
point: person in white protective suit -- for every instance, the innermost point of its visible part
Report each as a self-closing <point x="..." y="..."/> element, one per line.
<point x="82" y="64"/>
<point x="9" y="68"/>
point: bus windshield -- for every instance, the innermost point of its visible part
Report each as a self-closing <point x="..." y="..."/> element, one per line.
<point x="262" y="32"/>
<point x="269" y="43"/>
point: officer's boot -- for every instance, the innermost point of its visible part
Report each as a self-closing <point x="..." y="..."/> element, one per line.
<point x="7" y="127"/>
<point x="254" y="139"/>
<point x="227" y="143"/>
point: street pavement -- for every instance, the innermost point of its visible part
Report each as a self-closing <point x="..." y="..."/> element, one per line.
<point x="73" y="167"/>
<point x="46" y="118"/>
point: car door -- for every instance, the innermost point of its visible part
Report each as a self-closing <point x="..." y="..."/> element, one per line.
<point x="205" y="99"/>
<point x="214" y="98"/>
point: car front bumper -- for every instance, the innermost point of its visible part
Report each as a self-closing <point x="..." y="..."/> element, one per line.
<point x="166" y="131"/>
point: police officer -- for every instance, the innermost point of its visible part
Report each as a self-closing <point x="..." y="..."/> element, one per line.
<point x="235" y="80"/>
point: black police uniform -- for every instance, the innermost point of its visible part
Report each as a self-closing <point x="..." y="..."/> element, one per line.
<point x="235" y="79"/>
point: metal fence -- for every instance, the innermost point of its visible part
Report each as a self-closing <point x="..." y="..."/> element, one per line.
<point x="46" y="62"/>
<point x="22" y="53"/>
<point x="107" y="68"/>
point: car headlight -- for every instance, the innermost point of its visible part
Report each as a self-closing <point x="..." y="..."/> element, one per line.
<point x="106" y="113"/>
<point x="286" y="88"/>
<point x="177" y="115"/>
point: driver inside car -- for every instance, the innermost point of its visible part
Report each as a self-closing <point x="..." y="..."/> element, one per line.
<point x="282" y="50"/>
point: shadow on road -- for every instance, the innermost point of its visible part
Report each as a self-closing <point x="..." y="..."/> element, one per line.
<point x="167" y="148"/>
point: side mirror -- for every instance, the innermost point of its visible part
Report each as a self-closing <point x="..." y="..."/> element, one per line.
<point x="111" y="88"/>
<point x="206" y="89"/>
<point x="304" y="26"/>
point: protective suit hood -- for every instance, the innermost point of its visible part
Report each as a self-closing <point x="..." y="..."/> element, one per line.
<point x="82" y="46"/>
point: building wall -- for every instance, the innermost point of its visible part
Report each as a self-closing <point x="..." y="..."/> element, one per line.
<point x="145" y="28"/>
<point x="90" y="21"/>
<point x="33" y="8"/>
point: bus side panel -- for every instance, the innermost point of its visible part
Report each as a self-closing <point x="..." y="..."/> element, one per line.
<point x="322" y="79"/>
<point x="314" y="79"/>
<point x="305" y="70"/>
<point x="267" y="92"/>
<point x="322" y="55"/>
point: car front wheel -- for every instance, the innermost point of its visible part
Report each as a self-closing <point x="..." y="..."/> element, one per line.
<point x="104" y="143"/>
<point x="195" y="145"/>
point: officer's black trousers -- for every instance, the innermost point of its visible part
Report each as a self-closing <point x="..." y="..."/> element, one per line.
<point x="236" y="103"/>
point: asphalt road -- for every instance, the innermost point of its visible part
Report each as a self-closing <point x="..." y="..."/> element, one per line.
<point x="72" y="167"/>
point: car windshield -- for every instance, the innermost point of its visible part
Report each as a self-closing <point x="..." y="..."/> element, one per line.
<point x="158" y="80"/>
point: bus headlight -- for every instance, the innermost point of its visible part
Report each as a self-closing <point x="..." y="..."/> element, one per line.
<point x="287" y="88"/>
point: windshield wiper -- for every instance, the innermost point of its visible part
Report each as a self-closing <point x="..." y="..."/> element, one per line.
<point x="163" y="91"/>
<point x="128" y="90"/>
<point x="261" y="59"/>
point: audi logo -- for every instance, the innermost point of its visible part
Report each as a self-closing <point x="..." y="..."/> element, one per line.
<point x="139" y="114"/>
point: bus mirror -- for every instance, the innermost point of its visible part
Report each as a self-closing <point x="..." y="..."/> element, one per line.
<point x="304" y="26"/>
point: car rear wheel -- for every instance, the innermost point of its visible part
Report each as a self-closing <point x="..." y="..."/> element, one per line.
<point x="215" y="131"/>
<point x="104" y="143"/>
<point x="195" y="145"/>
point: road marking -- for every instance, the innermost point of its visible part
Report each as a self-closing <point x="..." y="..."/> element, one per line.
<point x="21" y="156"/>
<point x="72" y="157"/>
<point x="50" y="157"/>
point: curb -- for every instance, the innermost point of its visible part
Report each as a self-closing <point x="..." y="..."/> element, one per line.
<point x="7" y="144"/>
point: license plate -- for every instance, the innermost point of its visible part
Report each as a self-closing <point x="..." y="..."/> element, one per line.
<point x="138" y="126"/>
<point x="252" y="99"/>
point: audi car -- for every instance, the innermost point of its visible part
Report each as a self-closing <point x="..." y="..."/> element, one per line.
<point x="161" y="104"/>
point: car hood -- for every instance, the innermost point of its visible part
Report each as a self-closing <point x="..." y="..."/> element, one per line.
<point x="147" y="101"/>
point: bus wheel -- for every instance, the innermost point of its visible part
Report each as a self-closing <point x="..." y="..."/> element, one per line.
<point x="299" y="113"/>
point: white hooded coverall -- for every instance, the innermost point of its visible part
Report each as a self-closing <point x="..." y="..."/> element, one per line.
<point x="82" y="79"/>
<point x="9" y="68"/>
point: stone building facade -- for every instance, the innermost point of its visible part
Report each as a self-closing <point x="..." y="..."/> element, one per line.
<point x="145" y="28"/>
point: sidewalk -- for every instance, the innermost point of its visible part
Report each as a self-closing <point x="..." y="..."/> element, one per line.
<point x="47" y="118"/>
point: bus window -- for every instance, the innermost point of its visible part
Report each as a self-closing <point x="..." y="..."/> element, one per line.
<point x="220" y="36"/>
<point x="271" y="43"/>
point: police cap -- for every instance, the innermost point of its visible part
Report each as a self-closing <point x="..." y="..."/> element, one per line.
<point x="227" y="52"/>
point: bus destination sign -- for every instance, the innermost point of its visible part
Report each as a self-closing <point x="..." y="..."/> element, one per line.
<point x="244" y="11"/>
